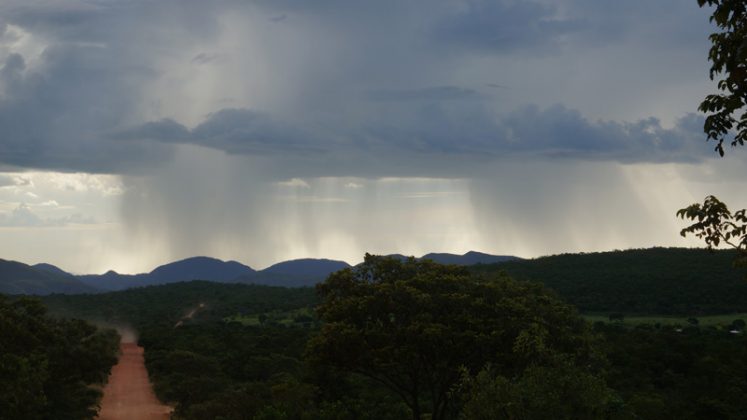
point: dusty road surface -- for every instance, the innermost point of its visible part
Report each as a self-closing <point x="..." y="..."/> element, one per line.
<point x="129" y="395"/>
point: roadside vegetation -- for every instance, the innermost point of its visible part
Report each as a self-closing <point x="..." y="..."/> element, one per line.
<point x="51" y="368"/>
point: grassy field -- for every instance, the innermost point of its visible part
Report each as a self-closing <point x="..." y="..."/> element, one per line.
<point x="703" y="321"/>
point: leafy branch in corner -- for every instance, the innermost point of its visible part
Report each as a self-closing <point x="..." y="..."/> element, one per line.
<point x="728" y="56"/>
<point x="716" y="224"/>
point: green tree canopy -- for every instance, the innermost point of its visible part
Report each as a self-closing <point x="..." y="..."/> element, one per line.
<point x="47" y="364"/>
<point x="416" y="326"/>
<point x="563" y="391"/>
<point x="728" y="56"/>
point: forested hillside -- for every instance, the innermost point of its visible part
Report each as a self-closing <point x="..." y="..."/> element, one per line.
<point x="19" y="278"/>
<point x="167" y="304"/>
<point x="639" y="281"/>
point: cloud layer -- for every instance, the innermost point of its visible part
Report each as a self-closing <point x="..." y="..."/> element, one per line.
<point x="112" y="86"/>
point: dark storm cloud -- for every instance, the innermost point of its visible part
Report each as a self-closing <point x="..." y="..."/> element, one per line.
<point x="236" y="131"/>
<point x="56" y="117"/>
<point x="436" y="130"/>
<point x="244" y="131"/>
<point x="539" y="27"/>
<point x="436" y="93"/>
<point x="661" y="23"/>
<point x="56" y="114"/>
<point x="165" y="130"/>
<point x="82" y="104"/>
<point x="561" y="132"/>
<point x="113" y="21"/>
<point x="507" y="26"/>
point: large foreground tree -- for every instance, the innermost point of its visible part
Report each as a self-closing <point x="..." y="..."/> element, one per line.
<point x="418" y="327"/>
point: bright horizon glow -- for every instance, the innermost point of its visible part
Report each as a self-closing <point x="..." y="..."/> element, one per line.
<point x="436" y="215"/>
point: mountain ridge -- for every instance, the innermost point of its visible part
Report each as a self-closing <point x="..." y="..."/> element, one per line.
<point x="302" y="272"/>
<point x="468" y="258"/>
<point x="19" y="278"/>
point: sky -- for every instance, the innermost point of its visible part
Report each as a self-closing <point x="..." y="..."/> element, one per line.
<point x="138" y="132"/>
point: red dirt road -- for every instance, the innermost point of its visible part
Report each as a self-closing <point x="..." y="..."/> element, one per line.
<point x="129" y="394"/>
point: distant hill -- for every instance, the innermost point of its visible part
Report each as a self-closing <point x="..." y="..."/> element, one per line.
<point x="17" y="278"/>
<point x="470" y="258"/>
<point x="199" y="268"/>
<point x="49" y="268"/>
<point x="307" y="266"/>
<point x="295" y="273"/>
<point x="196" y="268"/>
<point x="645" y="281"/>
<point x="112" y="281"/>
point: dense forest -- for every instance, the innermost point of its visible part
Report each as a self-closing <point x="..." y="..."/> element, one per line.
<point x="394" y="338"/>
<point x="666" y="372"/>
<point x="167" y="304"/>
<point x="50" y="368"/>
<point x="676" y="281"/>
